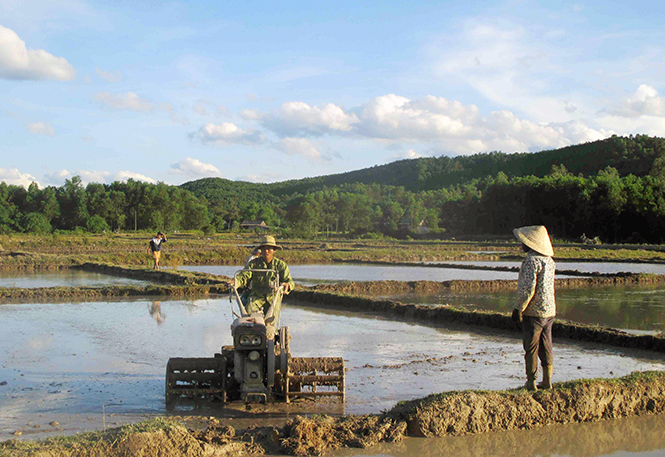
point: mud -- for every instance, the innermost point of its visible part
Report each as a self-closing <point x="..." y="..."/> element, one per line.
<point x="449" y="414"/>
<point x="624" y="436"/>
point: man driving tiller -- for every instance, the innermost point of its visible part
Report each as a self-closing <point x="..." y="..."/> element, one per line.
<point x="262" y="283"/>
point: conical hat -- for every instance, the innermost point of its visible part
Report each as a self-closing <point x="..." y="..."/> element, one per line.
<point x="268" y="241"/>
<point x="535" y="237"/>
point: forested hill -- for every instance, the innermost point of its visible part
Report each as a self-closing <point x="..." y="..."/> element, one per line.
<point x="628" y="155"/>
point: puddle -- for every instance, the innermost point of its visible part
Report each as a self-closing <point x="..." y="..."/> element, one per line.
<point x="64" y="278"/>
<point x="330" y="273"/>
<point x="627" y="308"/>
<point x="90" y="360"/>
<point x="620" y="437"/>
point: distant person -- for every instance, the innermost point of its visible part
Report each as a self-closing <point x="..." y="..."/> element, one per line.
<point x="260" y="283"/>
<point x="535" y="307"/>
<point x="155" y="311"/>
<point x="155" y="248"/>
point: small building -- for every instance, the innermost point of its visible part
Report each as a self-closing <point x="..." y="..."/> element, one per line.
<point x="258" y="224"/>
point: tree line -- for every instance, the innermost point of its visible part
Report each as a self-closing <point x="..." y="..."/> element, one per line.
<point x="98" y="207"/>
<point x="619" y="200"/>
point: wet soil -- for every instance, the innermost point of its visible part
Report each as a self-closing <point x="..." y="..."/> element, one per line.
<point x="623" y="436"/>
<point x="449" y="414"/>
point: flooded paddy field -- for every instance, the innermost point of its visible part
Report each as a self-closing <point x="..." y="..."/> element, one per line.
<point x="332" y="273"/>
<point x="584" y="267"/>
<point x="82" y="363"/>
<point x="63" y="278"/>
<point x="639" y="308"/>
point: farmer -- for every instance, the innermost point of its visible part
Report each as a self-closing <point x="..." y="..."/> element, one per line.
<point x="535" y="307"/>
<point x="261" y="294"/>
<point x="155" y="248"/>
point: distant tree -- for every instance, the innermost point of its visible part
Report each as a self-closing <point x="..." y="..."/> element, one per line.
<point x="36" y="223"/>
<point x="97" y="224"/>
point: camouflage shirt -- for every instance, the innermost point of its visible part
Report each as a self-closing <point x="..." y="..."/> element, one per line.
<point x="535" y="286"/>
<point x="260" y="281"/>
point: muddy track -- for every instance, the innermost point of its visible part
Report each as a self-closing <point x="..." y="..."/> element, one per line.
<point x="451" y="413"/>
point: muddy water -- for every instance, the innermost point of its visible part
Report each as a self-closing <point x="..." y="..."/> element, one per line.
<point x="80" y="363"/>
<point x="627" y="308"/>
<point x="585" y="267"/>
<point x="641" y="436"/>
<point x="331" y="273"/>
<point x="63" y="278"/>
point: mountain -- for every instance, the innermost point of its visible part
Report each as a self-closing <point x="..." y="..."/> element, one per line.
<point x="629" y="155"/>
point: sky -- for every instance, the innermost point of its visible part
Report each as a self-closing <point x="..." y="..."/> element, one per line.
<point x="259" y="91"/>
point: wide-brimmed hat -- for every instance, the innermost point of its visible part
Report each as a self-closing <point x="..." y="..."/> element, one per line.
<point x="268" y="241"/>
<point x="535" y="237"/>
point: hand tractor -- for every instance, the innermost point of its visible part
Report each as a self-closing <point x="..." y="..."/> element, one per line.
<point x="258" y="367"/>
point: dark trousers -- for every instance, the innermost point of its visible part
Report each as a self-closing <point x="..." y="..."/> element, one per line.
<point x="537" y="340"/>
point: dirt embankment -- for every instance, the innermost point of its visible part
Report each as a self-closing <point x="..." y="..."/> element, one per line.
<point x="396" y="287"/>
<point x="452" y="413"/>
<point x="168" y="283"/>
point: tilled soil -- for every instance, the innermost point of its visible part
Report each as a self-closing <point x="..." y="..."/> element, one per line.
<point x="453" y="413"/>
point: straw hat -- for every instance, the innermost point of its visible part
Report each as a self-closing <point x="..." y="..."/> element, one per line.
<point x="535" y="237"/>
<point x="268" y="241"/>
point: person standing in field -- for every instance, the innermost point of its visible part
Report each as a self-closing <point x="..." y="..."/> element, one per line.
<point x="155" y="248"/>
<point x="535" y="307"/>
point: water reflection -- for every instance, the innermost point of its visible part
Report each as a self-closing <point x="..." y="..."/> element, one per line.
<point x="635" y="435"/>
<point x="630" y="308"/>
<point x="64" y="278"/>
<point x="155" y="311"/>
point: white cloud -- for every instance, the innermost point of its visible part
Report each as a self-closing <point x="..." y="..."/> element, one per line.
<point x="206" y="108"/>
<point x="194" y="167"/>
<point x="19" y="62"/>
<point x="395" y="117"/>
<point x="226" y="133"/>
<point x="129" y="101"/>
<point x="250" y="115"/>
<point x="298" y="147"/>
<point x="41" y="128"/>
<point x="110" y="76"/>
<point x="299" y="118"/>
<point x="265" y="177"/>
<point x="410" y="154"/>
<point x="57" y="178"/>
<point x="14" y="177"/>
<point x="125" y="175"/>
<point x="168" y="108"/>
<point x="644" y="102"/>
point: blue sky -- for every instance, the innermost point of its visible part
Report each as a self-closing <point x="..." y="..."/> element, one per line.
<point x="263" y="92"/>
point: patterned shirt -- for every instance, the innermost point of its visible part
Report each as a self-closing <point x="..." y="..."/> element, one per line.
<point x="261" y="281"/>
<point x="535" y="286"/>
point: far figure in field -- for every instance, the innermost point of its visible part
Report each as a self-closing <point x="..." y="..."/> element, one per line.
<point x="155" y="248"/>
<point x="535" y="307"/>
